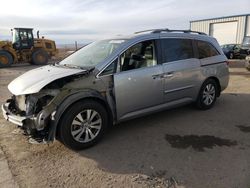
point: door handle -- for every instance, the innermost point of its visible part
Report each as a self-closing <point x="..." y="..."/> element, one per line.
<point x="168" y="75"/>
<point x="157" y="76"/>
<point x="164" y="75"/>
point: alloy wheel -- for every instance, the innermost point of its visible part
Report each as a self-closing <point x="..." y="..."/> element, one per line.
<point x="209" y="94"/>
<point x="86" y="126"/>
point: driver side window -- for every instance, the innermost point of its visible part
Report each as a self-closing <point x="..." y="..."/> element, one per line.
<point x="140" y="55"/>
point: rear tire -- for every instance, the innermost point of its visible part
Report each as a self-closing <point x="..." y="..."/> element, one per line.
<point x="6" y="59"/>
<point x="83" y="124"/>
<point x="207" y="95"/>
<point x="39" y="57"/>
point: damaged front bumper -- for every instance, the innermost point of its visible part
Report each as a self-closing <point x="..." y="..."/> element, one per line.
<point x="9" y="116"/>
<point x="35" y="126"/>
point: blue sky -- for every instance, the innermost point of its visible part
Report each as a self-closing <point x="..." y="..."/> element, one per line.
<point x="87" y="20"/>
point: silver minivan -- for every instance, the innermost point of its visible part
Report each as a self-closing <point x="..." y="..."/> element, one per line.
<point x="114" y="80"/>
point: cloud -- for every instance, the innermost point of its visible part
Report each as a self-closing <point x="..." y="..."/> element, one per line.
<point x="67" y="21"/>
<point x="70" y="32"/>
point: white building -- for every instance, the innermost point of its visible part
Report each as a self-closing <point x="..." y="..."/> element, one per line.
<point x="230" y="29"/>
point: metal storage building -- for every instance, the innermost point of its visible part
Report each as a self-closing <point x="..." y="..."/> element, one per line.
<point x="230" y="29"/>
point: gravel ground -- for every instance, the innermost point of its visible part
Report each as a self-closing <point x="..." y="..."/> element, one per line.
<point x="184" y="147"/>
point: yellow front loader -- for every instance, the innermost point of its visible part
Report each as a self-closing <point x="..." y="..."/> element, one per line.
<point x="25" y="48"/>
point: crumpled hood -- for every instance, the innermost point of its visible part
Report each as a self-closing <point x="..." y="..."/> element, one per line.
<point x="34" y="80"/>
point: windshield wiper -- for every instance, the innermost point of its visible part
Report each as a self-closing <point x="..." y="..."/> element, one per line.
<point x="88" y="68"/>
<point x="69" y="66"/>
<point x="73" y="66"/>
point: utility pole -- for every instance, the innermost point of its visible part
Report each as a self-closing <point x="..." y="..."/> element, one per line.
<point x="76" y="45"/>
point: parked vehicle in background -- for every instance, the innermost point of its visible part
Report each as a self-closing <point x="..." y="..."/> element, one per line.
<point x="247" y="63"/>
<point x="114" y="80"/>
<point x="246" y="44"/>
<point x="233" y="51"/>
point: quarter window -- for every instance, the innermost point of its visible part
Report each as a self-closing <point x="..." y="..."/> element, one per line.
<point x="176" y="49"/>
<point x="110" y="69"/>
<point x="206" y="49"/>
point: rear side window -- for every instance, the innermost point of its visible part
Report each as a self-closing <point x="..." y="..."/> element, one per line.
<point x="206" y="49"/>
<point x="176" y="49"/>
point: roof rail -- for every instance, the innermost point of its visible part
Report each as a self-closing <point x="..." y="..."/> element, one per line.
<point x="176" y="30"/>
<point x="145" y="31"/>
<point x="170" y="30"/>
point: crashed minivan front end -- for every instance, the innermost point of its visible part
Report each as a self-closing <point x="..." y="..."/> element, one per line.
<point x="22" y="109"/>
<point x="72" y="100"/>
<point x="34" y="110"/>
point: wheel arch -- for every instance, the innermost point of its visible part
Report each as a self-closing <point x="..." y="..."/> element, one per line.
<point x="71" y="100"/>
<point x="217" y="82"/>
<point x="37" y="48"/>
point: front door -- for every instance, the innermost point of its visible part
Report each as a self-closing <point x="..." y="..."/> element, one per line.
<point x="138" y="85"/>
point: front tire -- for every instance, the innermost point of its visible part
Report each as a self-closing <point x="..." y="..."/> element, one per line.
<point x="207" y="95"/>
<point x="83" y="124"/>
<point x="6" y="59"/>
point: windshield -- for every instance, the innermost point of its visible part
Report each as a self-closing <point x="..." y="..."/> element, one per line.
<point x="227" y="46"/>
<point x="246" y="42"/>
<point x="15" y="37"/>
<point x="92" y="54"/>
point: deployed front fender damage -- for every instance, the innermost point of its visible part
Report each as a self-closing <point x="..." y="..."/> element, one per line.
<point x="70" y="100"/>
<point x="61" y="93"/>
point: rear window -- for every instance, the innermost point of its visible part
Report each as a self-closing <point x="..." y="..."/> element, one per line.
<point x="176" y="49"/>
<point x="206" y="49"/>
<point x="246" y="42"/>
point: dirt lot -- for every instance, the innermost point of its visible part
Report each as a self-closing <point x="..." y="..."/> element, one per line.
<point x="195" y="148"/>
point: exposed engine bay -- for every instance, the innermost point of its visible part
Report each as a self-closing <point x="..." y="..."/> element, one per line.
<point x="32" y="104"/>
